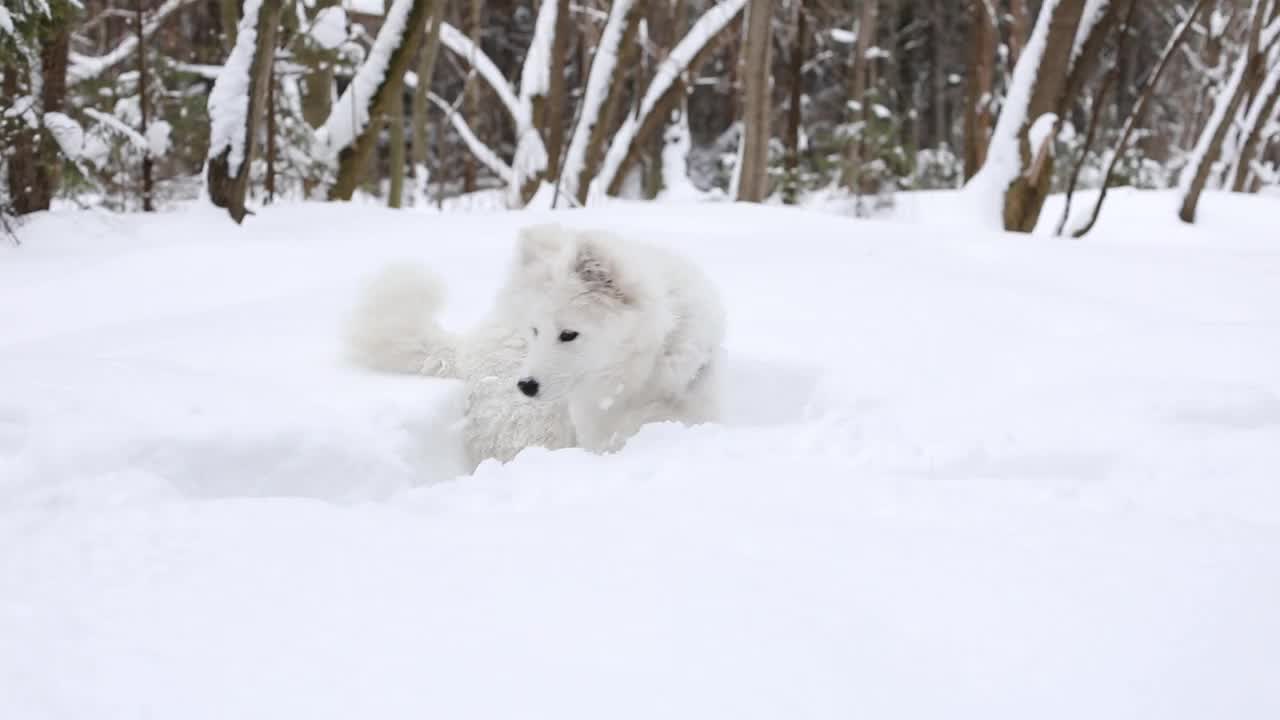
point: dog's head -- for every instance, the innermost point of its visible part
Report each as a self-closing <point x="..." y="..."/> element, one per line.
<point x="582" y="309"/>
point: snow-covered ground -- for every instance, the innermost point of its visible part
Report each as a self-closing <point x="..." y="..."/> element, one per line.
<point x="964" y="475"/>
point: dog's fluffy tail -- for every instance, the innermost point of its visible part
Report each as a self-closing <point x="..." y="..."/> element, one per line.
<point x="394" y="327"/>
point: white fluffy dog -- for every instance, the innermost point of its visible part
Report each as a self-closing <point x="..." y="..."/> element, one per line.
<point x="591" y="337"/>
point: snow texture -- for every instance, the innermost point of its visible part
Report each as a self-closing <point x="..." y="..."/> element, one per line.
<point x="329" y="30"/>
<point x="1041" y="130"/>
<point x="669" y="70"/>
<point x="535" y="74"/>
<point x="6" y="21"/>
<point x="158" y="132"/>
<point x="987" y="187"/>
<point x="229" y="99"/>
<point x="677" y="143"/>
<point x="603" y="63"/>
<point x="350" y="114"/>
<point x="961" y="475"/>
<point x="67" y="133"/>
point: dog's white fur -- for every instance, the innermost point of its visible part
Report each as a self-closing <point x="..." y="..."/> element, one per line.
<point x="649" y="328"/>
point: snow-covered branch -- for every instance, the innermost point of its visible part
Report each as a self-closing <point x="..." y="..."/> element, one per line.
<point x="350" y="114"/>
<point x="483" y="153"/>
<point x="602" y="79"/>
<point x="87" y="67"/>
<point x="461" y="45"/>
<point x="698" y="40"/>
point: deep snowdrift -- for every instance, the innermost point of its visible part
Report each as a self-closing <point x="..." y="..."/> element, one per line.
<point x="963" y="475"/>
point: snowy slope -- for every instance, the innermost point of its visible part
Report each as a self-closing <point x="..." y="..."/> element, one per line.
<point x="963" y="475"/>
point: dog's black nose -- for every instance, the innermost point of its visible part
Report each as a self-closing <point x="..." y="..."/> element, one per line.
<point x="528" y="386"/>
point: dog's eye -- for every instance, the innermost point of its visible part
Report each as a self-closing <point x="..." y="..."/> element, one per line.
<point x="568" y="335"/>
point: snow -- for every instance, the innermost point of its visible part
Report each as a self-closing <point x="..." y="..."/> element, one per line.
<point x="535" y="74"/>
<point x="986" y="188"/>
<point x="842" y="36"/>
<point x="229" y="99"/>
<point x="1041" y="130"/>
<point x="962" y="474"/>
<point x="350" y="114"/>
<point x="6" y="21"/>
<point x="329" y="30"/>
<point x="372" y="8"/>
<point x="158" y="138"/>
<point x="676" y="144"/>
<point x="66" y="132"/>
<point x="1094" y="11"/>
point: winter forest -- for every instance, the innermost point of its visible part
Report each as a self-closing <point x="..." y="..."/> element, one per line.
<point x="138" y="105"/>
<point x="640" y="359"/>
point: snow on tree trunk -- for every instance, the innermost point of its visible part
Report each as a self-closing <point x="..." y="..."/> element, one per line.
<point x="1195" y="175"/>
<point x="752" y="174"/>
<point x="1261" y="114"/>
<point x="663" y="94"/>
<point x="1012" y="184"/>
<point x="544" y="61"/>
<point x="350" y="133"/>
<point x="236" y="104"/>
<point x="604" y="80"/>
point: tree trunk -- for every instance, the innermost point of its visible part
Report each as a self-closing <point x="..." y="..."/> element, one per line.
<point x="753" y="170"/>
<point x="1025" y="194"/>
<point x="1252" y="61"/>
<point x="791" y="190"/>
<point x="229" y="11"/>
<point x="980" y="78"/>
<point x="143" y="102"/>
<point x="1262" y="112"/>
<point x="558" y="94"/>
<point x="426" y="70"/>
<point x="270" y="154"/>
<point x="1139" y="109"/>
<point x="856" y="102"/>
<point x="1019" y="28"/>
<point x="472" y="98"/>
<point x="227" y="177"/>
<point x="34" y="162"/>
<point x="395" y="132"/>
<point x="384" y="99"/>
<point x="938" y="73"/>
<point x="317" y="81"/>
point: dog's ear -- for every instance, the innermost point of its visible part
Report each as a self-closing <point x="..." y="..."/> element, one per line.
<point x="540" y="244"/>
<point x="597" y="269"/>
